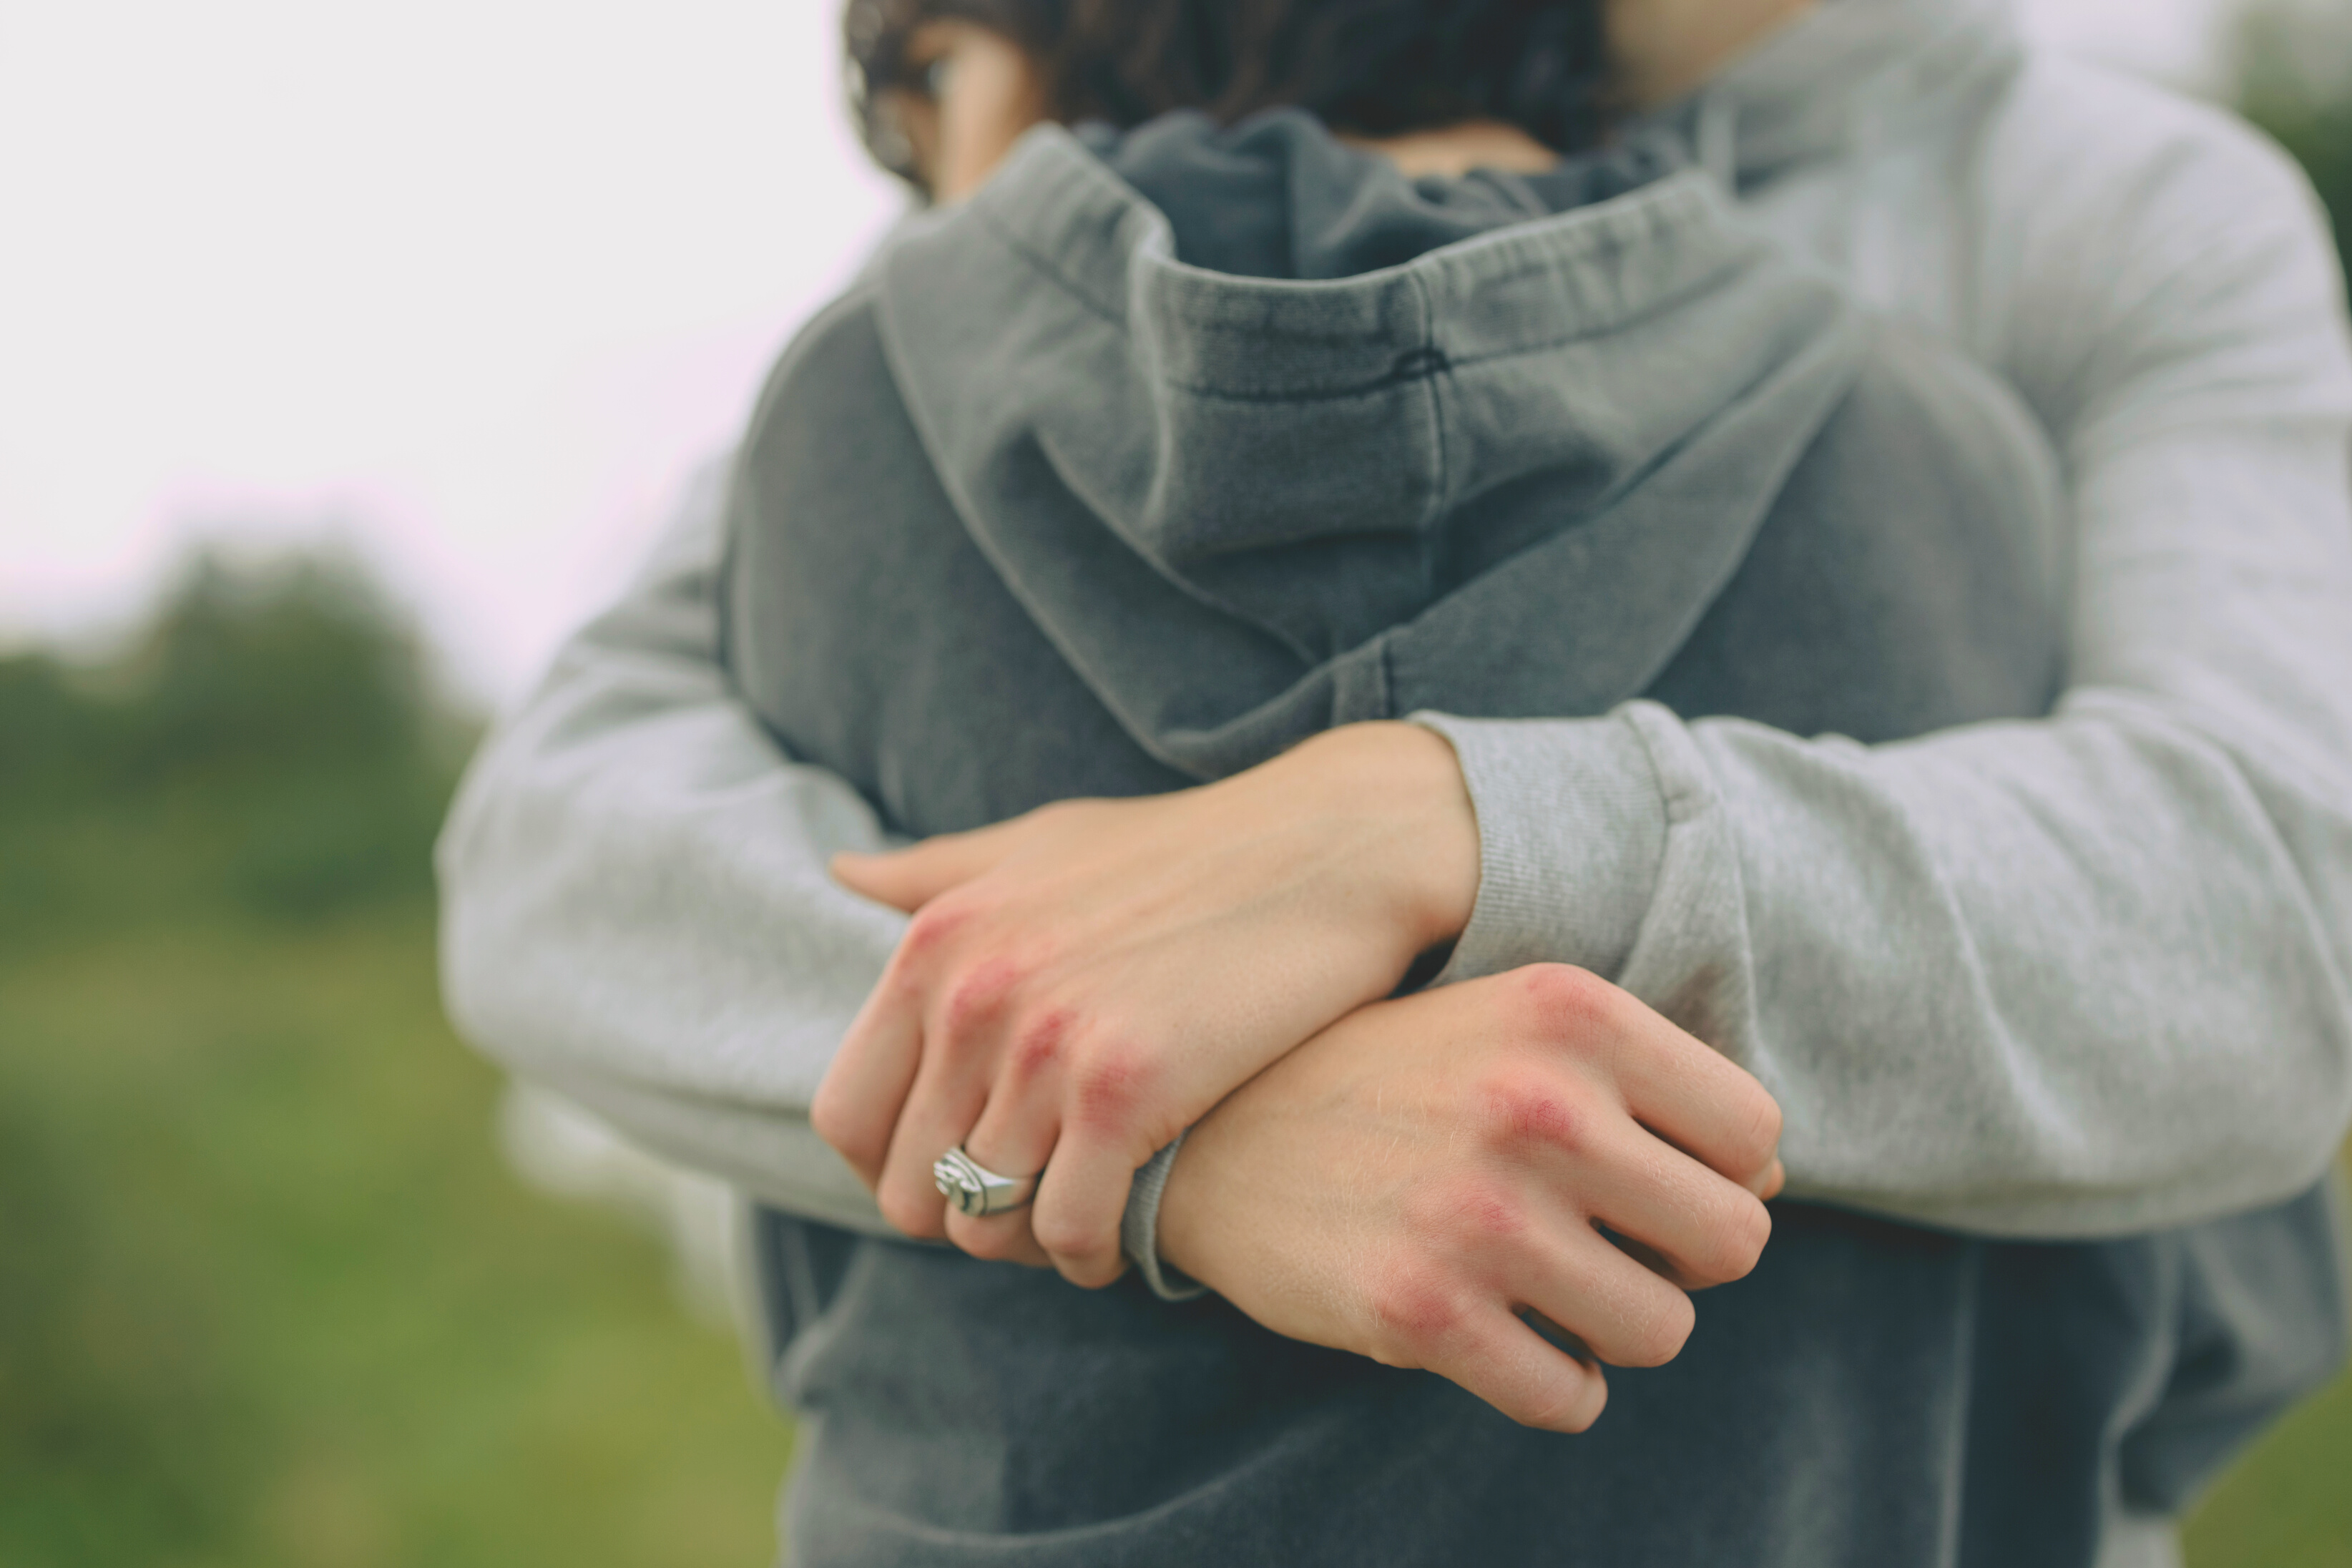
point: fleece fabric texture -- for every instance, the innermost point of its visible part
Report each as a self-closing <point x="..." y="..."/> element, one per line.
<point x="2133" y="918"/>
<point x="1048" y="510"/>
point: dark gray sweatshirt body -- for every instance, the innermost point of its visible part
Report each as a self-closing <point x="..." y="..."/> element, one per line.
<point x="1041" y="510"/>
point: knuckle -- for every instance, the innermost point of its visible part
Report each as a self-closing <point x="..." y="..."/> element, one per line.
<point x="833" y="1119"/>
<point x="936" y="925"/>
<point x="918" y="1214"/>
<point x="1111" y="1083"/>
<point x="1563" y="1004"/>
<point x="1065" y="1236"/>
<point x="1415" y="1312"/>
<point x="991" y="1241"/>
<point x="1576" y="1420"/>
<point x="1039" y="1044"/>
<point x="1089" y="1271"/>
<point x="978" y="996"/>
<point x="1728" y="1239"/>
<point x="1592" y="1398"/>
<point x="1461" y="1213"/>
<point x="1519" y="1106"/>
<point x="1760" y="1128"/>
<point x="928" y="930"/>
<point x="1736" y="1239"/>
<point x="1659" y="1334"/>
<point x="1551" y="1413"/>
<point x="1564" y="1407"/>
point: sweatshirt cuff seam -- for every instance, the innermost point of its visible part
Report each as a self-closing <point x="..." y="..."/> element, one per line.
<point x="1572" y="818"/>
<point x="1139" y="1228"/>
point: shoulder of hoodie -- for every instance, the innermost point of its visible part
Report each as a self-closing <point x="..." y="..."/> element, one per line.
<point x="2084" y="141"/>
<point x="833" y="364"/>
<point x="2139" y="225"/>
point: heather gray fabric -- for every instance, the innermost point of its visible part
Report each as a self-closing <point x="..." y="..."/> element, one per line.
<point x="2119" y="999"/>
<point x="1042" y="512"/>
<point x="1233" y="512"/>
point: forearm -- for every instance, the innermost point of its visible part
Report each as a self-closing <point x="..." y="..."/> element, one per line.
<point x="2077" y="976"/>
<point x="635" y="907"/>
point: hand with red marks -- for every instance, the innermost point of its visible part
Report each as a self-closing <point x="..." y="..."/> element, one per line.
<point x="1080" y="984"/>
<point x="1429" y="1180"/>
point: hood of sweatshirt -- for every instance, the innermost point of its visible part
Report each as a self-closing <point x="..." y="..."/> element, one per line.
<point x="1247" y="421"/>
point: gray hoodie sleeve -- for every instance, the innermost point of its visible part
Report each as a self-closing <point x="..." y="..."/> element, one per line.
<point x="635" y="906"/>
<point x="2082" y="976"/>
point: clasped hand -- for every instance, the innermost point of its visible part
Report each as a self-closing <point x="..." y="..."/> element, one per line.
<point x="1080" y="986"/>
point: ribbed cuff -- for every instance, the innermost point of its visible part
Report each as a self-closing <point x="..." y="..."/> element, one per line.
<point x="1571" y="831"/>
<point x="1138" y="1229"/>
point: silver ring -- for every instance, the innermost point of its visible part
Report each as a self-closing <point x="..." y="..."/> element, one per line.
<point x="974" y="1188"/>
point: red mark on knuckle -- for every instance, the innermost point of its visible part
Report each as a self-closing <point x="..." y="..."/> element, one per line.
<point x="1488" y="1214"/>
<point x="1039" y="1044"/>
<point x="1563" y="1004"/>
<point x="1521" y="1107"/>
<point x="979" y="995"/>
<point x="932" y="928"/>
<point x="1465" y="1212"/>
<point x="1109" y="1085"/>
<point x="1416" y="1312"/>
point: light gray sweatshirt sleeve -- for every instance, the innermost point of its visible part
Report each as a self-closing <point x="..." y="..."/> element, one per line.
<point x="635" y="911"/>
<point x="2080" y="976"/>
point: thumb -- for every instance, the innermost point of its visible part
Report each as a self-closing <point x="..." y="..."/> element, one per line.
<point x="908" y="879"/>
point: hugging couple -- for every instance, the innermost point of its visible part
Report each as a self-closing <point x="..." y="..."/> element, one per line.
<point x="1631" y="684"/>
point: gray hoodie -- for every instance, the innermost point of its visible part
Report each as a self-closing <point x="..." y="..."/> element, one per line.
<point x="1059" y="503"/>
<point x="1529" y="465"/>
<point x="2127" y="927"/>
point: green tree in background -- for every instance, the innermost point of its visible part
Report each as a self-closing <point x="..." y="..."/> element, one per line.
<point x="270" y="737"/>
<point x="268" y="1294"/>
<point x="2295" y="67"/>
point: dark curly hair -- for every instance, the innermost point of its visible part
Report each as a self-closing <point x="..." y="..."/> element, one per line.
<point x="1378" y="67"/>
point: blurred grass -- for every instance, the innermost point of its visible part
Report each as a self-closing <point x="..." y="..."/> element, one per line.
<point x="2288" y="1504"/>
<point x="267" y="1293"/>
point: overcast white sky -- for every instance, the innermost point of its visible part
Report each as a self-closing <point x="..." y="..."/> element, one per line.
<point x="472" y="281"/>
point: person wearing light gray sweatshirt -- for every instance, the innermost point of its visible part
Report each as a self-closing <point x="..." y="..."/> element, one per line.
<point x="2077" y="975"/>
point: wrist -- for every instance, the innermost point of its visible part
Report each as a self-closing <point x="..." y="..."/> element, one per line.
<point x="1404" y="782"/>
<point x="1181" y="1226"/>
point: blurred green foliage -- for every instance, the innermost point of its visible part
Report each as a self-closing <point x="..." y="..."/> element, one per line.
<point x="268" y="1294"/>
<point x="2319" y="133"/>
<point x="269" y="742"/>
<point x="2295" y="82"/>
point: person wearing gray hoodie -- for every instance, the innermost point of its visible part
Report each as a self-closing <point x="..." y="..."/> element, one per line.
<point x="2090" y="1106"/>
